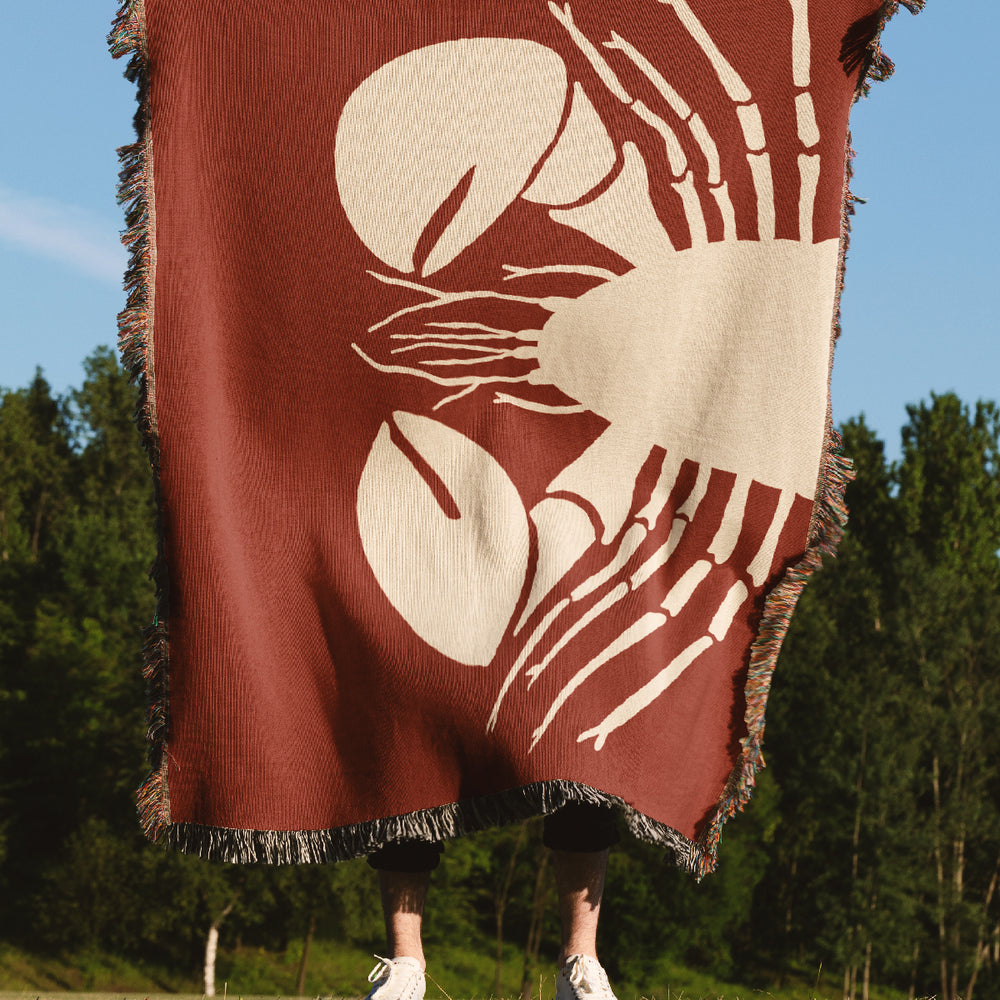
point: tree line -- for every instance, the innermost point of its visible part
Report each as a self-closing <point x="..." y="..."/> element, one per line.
<point x="871" y="849"/>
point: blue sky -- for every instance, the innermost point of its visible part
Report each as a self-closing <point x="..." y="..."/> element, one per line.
<point x="919" y="306"/>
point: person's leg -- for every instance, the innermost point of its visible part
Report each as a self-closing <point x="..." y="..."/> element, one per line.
<point x="404" y="871"/>
<point x="403" y="896"/>
<point x="580" y="883"/>
<point x="580" y="837"/>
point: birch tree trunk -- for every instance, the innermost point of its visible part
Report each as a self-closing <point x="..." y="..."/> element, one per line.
<point x="939" y="871"/>
<point x="211" y="947"/>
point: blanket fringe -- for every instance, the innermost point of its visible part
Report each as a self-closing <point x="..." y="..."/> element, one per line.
<point x="442" y="823"/>
<point x="135" y="344"/>
<point x="876" y="65"/>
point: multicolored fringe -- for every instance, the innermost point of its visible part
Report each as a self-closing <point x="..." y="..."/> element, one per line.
<point x="830" y="509"/>
<point x="829" y="520"/>
<point x="876" y="66"/>
<point x="135" y="345"/>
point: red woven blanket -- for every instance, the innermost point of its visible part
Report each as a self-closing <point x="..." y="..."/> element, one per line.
<point x="484" y="354"/>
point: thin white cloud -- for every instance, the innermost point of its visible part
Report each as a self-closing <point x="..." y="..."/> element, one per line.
<point x="67" y="233"/>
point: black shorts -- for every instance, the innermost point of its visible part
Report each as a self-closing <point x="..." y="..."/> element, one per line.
<point x="577" y="827"/>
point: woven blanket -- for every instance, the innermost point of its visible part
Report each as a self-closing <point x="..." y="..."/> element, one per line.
<point x="483" y="349"/>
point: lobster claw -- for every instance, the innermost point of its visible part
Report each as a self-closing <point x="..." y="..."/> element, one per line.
<point x="445" y="533"/>
<point x="469" y="117"/>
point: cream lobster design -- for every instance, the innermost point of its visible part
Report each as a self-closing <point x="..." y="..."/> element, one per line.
<point x="681" y="364"/>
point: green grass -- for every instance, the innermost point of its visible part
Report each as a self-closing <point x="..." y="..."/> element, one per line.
<point x="671" y="981"/>
<point x="129" y="995"/>
<point x="339" y="971"/>
<point x="24" y="974"/>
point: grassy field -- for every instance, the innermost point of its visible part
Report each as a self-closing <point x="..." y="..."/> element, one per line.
<point x="336" y="971"/>
<point x="134" y="995"/>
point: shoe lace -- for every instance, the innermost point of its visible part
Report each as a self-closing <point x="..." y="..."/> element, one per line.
<point x="384" y="967"/>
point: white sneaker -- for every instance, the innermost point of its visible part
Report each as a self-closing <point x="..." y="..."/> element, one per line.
<point x="396" y="979"/>
<point x="583" y="978"/>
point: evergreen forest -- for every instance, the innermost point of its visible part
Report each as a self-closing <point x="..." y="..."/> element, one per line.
<point x="868" y="860"/>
